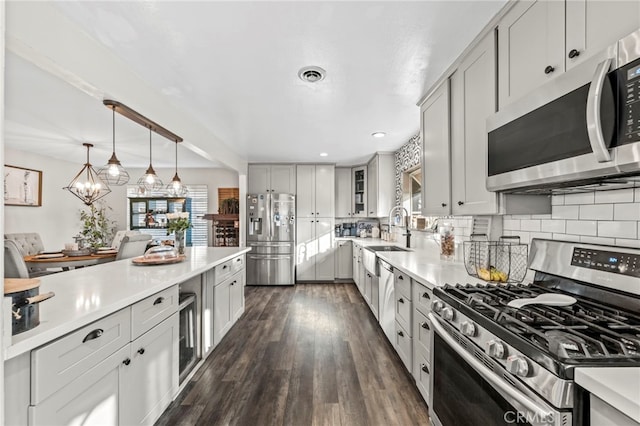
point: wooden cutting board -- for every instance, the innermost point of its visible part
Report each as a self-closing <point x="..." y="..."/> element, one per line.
<point x="14" y="285"/>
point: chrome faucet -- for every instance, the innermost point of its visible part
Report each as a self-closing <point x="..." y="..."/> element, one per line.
<point x="406" y="224"/>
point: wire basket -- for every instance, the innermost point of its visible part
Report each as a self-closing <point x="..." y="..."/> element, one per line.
<point x="503" y="261"/>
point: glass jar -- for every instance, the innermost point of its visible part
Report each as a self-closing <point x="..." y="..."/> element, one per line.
<point x="447" y="241"/>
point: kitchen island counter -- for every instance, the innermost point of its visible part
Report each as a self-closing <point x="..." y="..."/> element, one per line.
<point x="88" y="294"/>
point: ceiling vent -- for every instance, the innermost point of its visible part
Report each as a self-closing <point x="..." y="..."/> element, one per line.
<point x="311" y="74"/>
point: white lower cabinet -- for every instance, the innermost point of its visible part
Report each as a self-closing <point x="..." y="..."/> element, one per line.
<point x="422" y="296"/>
<point x="314" y="250"/>
<point x="228" y="305"/>
<point x="344" y="261"/>
<point x="371" y="292"/>
<point x="132" y="386"/>
<point x="404" y="346"/>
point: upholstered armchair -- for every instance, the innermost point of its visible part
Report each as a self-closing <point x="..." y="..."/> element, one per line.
<point x="133" y="245"/>
<point x="28" y="243"/>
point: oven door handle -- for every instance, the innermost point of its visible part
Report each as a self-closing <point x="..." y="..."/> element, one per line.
<point x="594" y="118"/>
<point x="494" y="380"/>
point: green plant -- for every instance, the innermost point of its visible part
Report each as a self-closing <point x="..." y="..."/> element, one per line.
<point x="97" y="228"/>
<point x="177" y="222"/>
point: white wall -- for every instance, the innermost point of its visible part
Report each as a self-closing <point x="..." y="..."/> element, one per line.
<point x="58" y="220"/>
<point x="606" y="217"/>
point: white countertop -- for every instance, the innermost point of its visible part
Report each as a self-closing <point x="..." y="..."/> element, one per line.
<point x="423" y="265"/>
<point x="88" y="294"/>
<point x="617" y="386"/>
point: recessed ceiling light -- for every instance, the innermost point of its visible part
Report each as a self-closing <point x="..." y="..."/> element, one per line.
<point x="323" y="154"/>
<point x="311" y="74"/>
<point x="378" y="134"/>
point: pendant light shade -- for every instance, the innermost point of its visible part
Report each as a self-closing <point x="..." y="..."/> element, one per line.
<point x="150" y="180"/>
<point x="113" y="173"/>
<point x="87" y="184"/>
<point x="176" y="188"/>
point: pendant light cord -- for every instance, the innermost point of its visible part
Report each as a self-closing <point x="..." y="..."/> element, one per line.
<point x="114" y="129"/>
<point x="176" y="158"/>
<point x="150" y="161"/>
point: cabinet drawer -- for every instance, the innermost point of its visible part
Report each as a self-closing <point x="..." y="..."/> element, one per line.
<point x="404" y="346"/>
<point x="223" y="271"/>
<point x="422" y="297"/>
<point x="403" y="311"/>
<point x="55" y="365"/>
<point x="422" y="373"/>
<point x="149" y="312"/>
<point x="422" y="332"/>
<point x="403" y="283"/>
<point x="237" y="264"/>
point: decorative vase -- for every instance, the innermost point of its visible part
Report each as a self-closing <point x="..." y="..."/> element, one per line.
<point x="180" y="241"/>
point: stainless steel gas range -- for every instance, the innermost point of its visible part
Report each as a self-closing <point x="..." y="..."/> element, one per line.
<point x="496" y="364"/>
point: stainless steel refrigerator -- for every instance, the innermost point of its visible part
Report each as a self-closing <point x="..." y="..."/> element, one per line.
<point x="271" y="236"/>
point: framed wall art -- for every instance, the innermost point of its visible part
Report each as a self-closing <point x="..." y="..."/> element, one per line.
<point x="22" y="187"/>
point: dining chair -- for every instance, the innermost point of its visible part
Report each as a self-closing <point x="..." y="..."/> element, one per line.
<point x="119" y="236"/>
<point x="14" y="266"/>
<point x="28" y="242"/>
<point x="133" y="245"/>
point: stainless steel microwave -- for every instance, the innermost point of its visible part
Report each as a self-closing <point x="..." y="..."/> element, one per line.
<point x="581" y="128"/>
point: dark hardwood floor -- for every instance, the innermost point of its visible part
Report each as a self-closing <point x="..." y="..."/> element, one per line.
<point x="312" y="354"/>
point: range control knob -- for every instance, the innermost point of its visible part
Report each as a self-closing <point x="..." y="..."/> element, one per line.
<point x="496" y="349"/>
<point x="448" y="313"/>
<point x="518" y="365"/>
<point x="437" y="306"/>
<point x="468" y="328"/>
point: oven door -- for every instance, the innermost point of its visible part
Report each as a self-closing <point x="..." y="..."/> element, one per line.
<point x="469" y="388"/>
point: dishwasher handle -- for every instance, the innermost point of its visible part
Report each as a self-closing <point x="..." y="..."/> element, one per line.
<point x="385" y="265"/>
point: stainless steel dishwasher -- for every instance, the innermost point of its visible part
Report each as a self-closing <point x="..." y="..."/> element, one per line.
<point x="387" y="307"/>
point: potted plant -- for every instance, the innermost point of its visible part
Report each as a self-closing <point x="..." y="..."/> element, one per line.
<point x="178" y="223"/>
<point x="97" y="229"/>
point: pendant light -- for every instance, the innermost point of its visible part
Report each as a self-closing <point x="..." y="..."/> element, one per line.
<point x="87" y="184"/>
<point x="176" y="188"/>
<point x="113" y="173"/>
<point x="150" y="180"/>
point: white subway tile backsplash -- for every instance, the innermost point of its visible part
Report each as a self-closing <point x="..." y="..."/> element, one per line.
<point x="597" y="240"/>
<point x="511" y="224"/>
<point x="554" y="226"/>
<point x="618" y="229"/>
<point x="596" y="212"/>
<point x="525" y="237"/>
<point x="544" y="235"/>
<point x="530" y="225"/>
<point x="557" y="200"/>
<point x="626" y="211"/>
<point x="521" y="216"/>
<point x="622" y="242"/>
<point x="541" y="216"/>
<point x="582" y="227"/>
<point x="636" y="196"/>
<point x="617" y="196"/>
<point x="583" y="198"/>
<point x="566" y="237"/>
<point x="565" y="212"/>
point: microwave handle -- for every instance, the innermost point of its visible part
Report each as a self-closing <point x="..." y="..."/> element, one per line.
<point x="499" y="384"/>
<point x="594" y="122"/>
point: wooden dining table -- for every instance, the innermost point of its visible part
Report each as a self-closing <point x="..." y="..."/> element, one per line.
<point x="68" y="261"/>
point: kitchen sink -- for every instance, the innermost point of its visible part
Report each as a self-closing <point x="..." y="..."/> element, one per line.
<point x="386" y="248"/>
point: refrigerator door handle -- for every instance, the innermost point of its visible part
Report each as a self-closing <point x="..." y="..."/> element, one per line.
<point x="278" y="257"/>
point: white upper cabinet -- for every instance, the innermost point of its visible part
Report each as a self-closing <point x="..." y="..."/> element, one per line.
<point x="473" y="99"/>
<point x="436" y="174"/>
<point x="315" y="190"/>
<point x="539" y="40"/>
<point x="381" y="193"/>
<point x="343" y="192"/>
<point x="594" y="25"/>
<point x="359" y="190"/>
<point x="272" y="178"/>
<point x="531" y="40"/>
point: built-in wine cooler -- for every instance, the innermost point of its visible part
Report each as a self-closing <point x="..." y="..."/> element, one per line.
<point x="188" y="345"/>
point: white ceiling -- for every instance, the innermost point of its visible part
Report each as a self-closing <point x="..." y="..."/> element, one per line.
<point x="233" y="67"/>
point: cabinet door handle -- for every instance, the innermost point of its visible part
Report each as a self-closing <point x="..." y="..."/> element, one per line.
<point x="400" y="333"/>
<point x="317" y="213"/>
<point x="425" y="325"/>
<point x="93" y="335"/>
<point x="224" y="266"/>
<point x="158" y="301"/>
<point x="460" y="203"/>
<point x="573" y="53"/>
<point x="141" y="351"/>
<point x="233" y="283"/>
<point x="444" y="204"/>
<point x="400" y="277"/>
<point x="127" y="361"/>
<point x="424" y="368"/>
<point x="426" y="295"/>
<point x="549" y="69"/>
<point x="370" y="212"/>
<point x="401" y="300"/>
